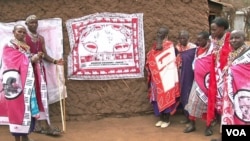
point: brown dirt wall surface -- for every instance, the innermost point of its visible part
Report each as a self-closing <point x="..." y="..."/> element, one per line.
<point x="91" y="100"/>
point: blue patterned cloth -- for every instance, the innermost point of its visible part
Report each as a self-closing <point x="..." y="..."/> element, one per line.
<point x="33" y="104"/>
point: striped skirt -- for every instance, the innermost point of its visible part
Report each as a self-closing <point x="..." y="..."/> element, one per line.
<point x="195" y="106"/>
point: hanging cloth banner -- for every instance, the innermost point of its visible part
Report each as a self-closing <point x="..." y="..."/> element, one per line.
<point x="106" y="46"/>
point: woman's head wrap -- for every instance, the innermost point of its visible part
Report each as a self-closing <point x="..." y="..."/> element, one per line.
<point x="31" y="17"/>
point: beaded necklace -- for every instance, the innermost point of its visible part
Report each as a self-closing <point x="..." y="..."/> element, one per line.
<point x="235" y="54"/>
<point x="21" y="45"/>
<point x="217" y="46"/>
<point x="34" y="37"/>
<point x="35" y="41"/>
<point x="182" y="48"/>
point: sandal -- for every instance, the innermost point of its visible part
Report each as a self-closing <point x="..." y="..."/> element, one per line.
<point x="38" y="129"/>
<point x="52" y="131"/>
<point x="208" y="132"/>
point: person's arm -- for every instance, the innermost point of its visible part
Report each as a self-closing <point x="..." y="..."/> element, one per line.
<point x="47" y="57"/>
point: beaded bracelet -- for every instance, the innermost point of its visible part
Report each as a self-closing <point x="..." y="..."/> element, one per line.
<point x="54" y="61"/>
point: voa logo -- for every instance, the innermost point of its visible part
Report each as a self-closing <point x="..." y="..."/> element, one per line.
<point x="236" y="132"/>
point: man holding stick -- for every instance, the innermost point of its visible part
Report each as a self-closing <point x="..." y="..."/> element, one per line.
<point x="37" y="44"/>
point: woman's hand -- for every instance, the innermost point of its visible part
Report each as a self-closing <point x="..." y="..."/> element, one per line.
<point x="59" y="62"/>
<point x="40" y="55"/>
<point x="35" y="58"/>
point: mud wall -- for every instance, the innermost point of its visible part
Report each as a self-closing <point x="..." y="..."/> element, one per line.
<point x="91" y="100"/>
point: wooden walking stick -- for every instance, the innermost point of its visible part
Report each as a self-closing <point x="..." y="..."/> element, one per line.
<point x="62" y="101"/>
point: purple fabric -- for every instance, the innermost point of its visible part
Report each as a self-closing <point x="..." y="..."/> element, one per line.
<point x="157" y="112"/>
<point x="186" y="75"/>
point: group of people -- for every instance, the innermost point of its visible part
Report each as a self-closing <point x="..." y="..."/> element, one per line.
<point x="207" y="79"/>
<point x="24" y="76"/>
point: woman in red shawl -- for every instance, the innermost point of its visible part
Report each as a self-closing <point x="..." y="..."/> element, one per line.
<point x="236" y="86"/>
<point x="196" y="107"/>
<point x="221" y="49"/>
<point x="163" y="80"/>
<point x="18" y="82"/>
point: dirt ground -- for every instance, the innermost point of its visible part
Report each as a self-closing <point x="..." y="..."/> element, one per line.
<point x="139" y="128"/>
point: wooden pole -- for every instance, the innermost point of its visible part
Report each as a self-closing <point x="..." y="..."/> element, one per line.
<point x="62" y="103"/>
